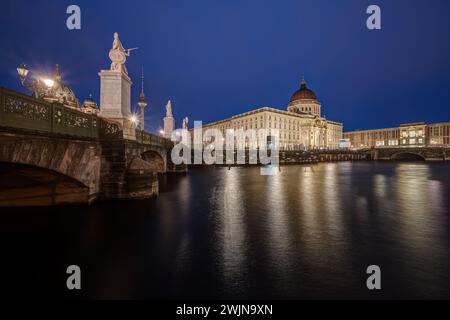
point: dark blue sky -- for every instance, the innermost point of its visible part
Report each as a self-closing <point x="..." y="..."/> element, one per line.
<point x="217" y="58"/>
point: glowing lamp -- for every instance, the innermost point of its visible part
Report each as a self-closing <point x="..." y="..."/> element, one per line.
<point x="134" y="119"/>
<point x="49" y="82"/>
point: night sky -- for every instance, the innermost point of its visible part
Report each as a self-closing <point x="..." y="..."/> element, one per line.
<point x="217" y="58"/>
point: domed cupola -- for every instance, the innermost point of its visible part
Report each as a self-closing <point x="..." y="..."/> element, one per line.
<point x="303" y="93"/>
<point x="304" y="101"/>
<point x="58" y="92"/>
<point x="90" y="106"/>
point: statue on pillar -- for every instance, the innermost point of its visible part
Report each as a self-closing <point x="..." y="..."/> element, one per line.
<point x="185" y="122"/>
<point x="169" y="121"/>
<point x="115" y="88"/>
<point x="169" y="109"/>
<point x="118" y="55"/>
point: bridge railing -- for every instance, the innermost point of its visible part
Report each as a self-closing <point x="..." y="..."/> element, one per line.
<point x="152" y="139"/>
<point x="20" y="111"/>
<point x="24" y="112"/>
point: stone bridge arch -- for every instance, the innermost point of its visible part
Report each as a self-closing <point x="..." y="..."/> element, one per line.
<point x="156" y="159"/>
<point x="408" y="155"/>
<point x="399" y="153"/>
<point x="154" y="155"/>
<point x="73" y="163"/>
<point x="28" y="185"/>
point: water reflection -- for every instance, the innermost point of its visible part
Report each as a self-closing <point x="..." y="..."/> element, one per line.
<point x="421" y="226"/>
<point x="218" y="233"/>
<point x="232" y="231"/>
<point x="279" y="240"/>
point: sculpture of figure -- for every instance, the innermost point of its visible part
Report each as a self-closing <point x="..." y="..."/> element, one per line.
<point x="185" y="123"/>
<point x="118" y="55"/>
<point x="169" y="109"/>
<point x="117" y="44"/>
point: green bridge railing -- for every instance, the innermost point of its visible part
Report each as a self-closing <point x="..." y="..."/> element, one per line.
<point x="23" y="112"/>
<point x="20" y="111"/>
<point x="151" y="139"/>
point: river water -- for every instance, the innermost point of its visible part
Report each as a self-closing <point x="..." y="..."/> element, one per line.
<point x="308" y="232"/>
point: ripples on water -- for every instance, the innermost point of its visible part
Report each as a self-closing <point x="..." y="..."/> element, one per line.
<point x="309" y="232"/>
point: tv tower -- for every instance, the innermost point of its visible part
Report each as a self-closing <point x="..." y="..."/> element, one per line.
<point x="142" y="103"/>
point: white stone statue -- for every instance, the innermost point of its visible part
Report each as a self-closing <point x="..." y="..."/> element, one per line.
<point x="118" y="55"/>
<point x="185" y="123"/>
<point x="169" y="109"/>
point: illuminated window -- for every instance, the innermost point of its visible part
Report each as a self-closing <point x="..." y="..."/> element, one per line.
<point x="393" y="142"/>
<point x="412" y="134"/>
<point x="436" y="131"/>
<point x="404" y="141"/>
<point x="420" y="141"/>
<point x="412" y="141"/>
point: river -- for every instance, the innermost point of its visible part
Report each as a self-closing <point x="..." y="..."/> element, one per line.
<point x="308" y="232"/>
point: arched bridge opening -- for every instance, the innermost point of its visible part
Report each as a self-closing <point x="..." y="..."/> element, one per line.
<point x="407" y="156"/>
<point x="28" y="185"/>
<point x="155" y="160"/>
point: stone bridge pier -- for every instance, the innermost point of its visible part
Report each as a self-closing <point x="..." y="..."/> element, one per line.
<point x="130" y="169"/>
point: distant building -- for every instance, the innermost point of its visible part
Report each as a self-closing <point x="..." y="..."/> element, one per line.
<point x="301" y="127"/>
<point x="90" y="106"/>
<point x="417" y="134"/>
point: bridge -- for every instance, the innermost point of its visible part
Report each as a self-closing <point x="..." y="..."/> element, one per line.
<point x="51" y="154"/>
<point x="427" y="153"/>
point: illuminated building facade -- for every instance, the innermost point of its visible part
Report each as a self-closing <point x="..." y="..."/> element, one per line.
<point x="301" y="127"/>
<point x="417" y="134"/>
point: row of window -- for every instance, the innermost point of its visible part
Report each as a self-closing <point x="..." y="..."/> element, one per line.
<point x="440" y="132"/>
<point x="443" y="130"/>
<point x="412" y="133"/>
<point x="410" y="141"/>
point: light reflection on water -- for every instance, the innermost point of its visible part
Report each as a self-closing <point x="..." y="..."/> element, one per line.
<point x="309" y="232"/>
<point x="231" y="240"/>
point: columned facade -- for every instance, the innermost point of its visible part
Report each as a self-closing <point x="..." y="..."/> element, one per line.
<point x="417" y="134"/>
<point x="301" y="127"/>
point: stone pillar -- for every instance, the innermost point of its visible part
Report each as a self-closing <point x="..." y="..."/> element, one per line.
<point x="115" y="100"/>
<point x="169" y="126"/>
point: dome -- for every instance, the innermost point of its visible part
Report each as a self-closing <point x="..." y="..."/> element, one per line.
<point x="89" y="105"/>
<point x="65" y="95"/>
<point x="303" y="93"/>
<point x="58" y="92"/>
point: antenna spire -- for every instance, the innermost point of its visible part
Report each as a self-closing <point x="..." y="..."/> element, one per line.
<point x="142" y="78"/>
<point x="142" y="95"/>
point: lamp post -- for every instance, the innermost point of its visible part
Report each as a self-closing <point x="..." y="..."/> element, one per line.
<point x="32" y="85"/>
<point x="38" y="87"/>
<point x="22" y="71"/>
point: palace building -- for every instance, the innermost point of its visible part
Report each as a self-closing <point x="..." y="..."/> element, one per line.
<point x="417" y="134"/>
<point x="300" y="127"/>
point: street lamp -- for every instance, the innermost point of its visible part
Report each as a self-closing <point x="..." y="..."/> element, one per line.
<point x="34" y="86"/>
<point x="22" y="70"/>
<point x="49" y="83"/>
<point x="134" y="119"/>
<point x="37" y="86"/>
